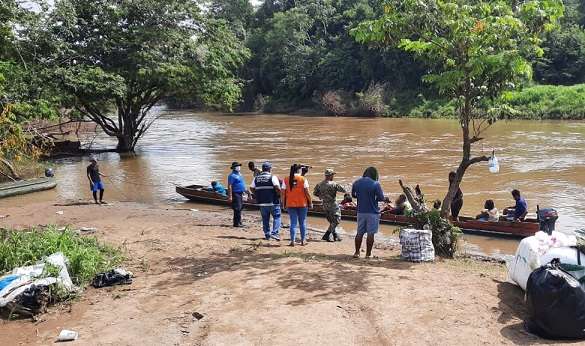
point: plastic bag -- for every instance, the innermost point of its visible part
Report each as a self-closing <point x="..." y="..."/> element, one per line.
<point x="417" y="245"/>
<point x="494" y="164"/>
<point x="556" y="302"/>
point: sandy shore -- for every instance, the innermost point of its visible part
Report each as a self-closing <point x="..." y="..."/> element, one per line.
<point x="251" y="291"/>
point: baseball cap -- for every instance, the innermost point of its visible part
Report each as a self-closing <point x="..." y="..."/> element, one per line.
<point x="329" y="172"/>
<point x="266" y="165"/>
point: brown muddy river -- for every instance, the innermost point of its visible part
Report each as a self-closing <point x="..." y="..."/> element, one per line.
<point x="544" y="160"/>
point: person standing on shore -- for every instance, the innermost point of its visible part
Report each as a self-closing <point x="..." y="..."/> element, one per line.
<point x="236" y="189"/>
<point x="457" y="202"/>
<point x="266" y="188"/>
<point x="95" y="180"/>
<point x="368" y="192"/>
<point x="255" y="171"/>
<point x="297" y="199"/>
<point x="327" y="191"/>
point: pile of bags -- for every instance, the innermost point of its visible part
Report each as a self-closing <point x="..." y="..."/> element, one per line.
<point x="26" y="289"/>
<point x="551" y="269"/>
<point x="417" y="245"/>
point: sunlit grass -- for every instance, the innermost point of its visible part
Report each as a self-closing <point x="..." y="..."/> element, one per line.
<point x="87" y="256"/>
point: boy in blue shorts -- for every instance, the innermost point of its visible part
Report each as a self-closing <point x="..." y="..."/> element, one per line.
<point x="95" y="180"/>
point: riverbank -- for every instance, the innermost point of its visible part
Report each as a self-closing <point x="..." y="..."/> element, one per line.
<point x="250" y="291"/>
<point x="536" y="102"/>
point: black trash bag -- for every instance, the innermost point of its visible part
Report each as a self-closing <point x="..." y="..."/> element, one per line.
<point x="33" y="301"/>
<point x="556" y="302"/>
<point x="111" y="278"/>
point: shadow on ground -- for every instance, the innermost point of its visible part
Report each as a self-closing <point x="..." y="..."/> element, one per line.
<point x="512" y="307"/>
<point x="330" y="276"/>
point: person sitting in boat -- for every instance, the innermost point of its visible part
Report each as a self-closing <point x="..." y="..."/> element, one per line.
<point x="402" y="207"/>
<point x="489" y="212"/>
<point x="217" y="187"/>
<point x="386" y="206"/>
<point x="347" y="203"/>
<point x="517" y="212"/>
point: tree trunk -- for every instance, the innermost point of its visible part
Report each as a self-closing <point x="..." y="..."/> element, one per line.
<point x="12" y="172"/>
<point x="125" y="144"/>
<point x="128" y="128"/>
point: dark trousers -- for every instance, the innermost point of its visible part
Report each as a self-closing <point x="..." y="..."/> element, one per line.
<point x="456" y="207"/>
<point x="237" y="206"/>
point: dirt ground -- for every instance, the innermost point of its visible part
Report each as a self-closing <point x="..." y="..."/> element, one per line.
<point x="254" y="292"/>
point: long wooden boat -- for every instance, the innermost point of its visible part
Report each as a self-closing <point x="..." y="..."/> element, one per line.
<point x="22" y="187"/>
<point x="199" y="193"/>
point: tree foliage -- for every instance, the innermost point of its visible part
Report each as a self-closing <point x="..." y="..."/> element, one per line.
<point x="123" y="57"/>
<point x="475" y="50"/>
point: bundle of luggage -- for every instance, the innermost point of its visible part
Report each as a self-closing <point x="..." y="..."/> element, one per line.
<point x="551" y="269"/>
<point x="417" y="245"/>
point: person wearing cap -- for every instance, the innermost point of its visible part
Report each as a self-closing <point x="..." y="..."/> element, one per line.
<point x="236" y="189"/>
<point x="266" y="188"/>
<point x="327" y="191"/>
<point x="95" y="180"/>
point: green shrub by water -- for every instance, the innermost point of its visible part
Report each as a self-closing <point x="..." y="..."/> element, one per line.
<point x="548" y="102"/>
<point x="87" y="256"/>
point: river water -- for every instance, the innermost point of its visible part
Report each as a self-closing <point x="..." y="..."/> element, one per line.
<point x="543" y="159"/>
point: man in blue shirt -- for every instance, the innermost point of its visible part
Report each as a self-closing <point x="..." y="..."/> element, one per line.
<point x="236" y="189"/>
<point x="519" y="211"/>
<point x="368" y="192"/>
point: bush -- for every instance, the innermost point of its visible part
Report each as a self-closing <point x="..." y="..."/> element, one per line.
<point x="445" y="235"/>
<point x="371" y="101"/>
<point x="86" y="255"/>
<point x="332" y="103"/>
<point x="548" y="102"/>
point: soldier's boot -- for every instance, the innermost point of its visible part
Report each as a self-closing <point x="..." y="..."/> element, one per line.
<point x="327" y="236"/>
<point x="336" y="236"/>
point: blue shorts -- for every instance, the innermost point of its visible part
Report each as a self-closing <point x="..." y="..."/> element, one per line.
<point x="367" y="223"/>
<point x="95" y="187"/>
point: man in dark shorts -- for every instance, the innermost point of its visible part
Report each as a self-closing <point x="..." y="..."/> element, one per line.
<point x="95" y="180"/>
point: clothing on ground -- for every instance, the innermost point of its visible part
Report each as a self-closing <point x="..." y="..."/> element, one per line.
<point x="368" y="193"/>
<point x="236" y="180"/>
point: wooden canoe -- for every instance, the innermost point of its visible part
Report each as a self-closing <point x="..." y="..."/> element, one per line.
<point x="198" y="193"/>
<point x="22" y="187"/>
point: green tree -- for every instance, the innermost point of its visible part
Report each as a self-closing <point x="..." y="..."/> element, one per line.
<point x="476" y="50"/>
<point x="564" y="49"/>
<point x="237" y="13"/>
<point x="123" y="57"/>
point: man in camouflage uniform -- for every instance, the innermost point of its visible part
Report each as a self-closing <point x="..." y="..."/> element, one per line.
<point x="327" y="191"/>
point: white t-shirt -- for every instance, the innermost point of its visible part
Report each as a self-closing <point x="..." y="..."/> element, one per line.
<point x="275" y="182"/>
<point x="493" y="215"/>
<point x="306" y="183"/>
